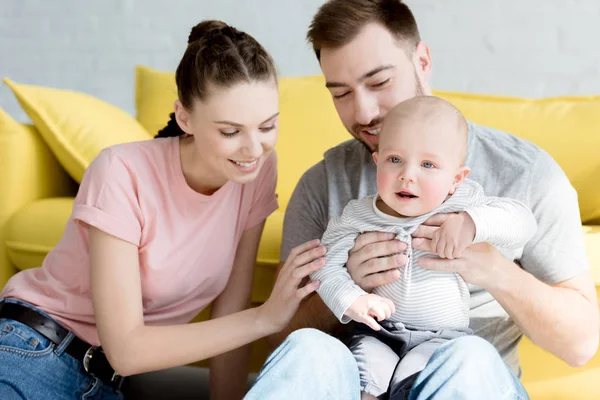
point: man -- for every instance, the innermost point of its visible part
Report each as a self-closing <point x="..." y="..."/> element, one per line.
<point x="372" y="58"/>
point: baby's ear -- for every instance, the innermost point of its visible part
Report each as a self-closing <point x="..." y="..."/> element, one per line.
<point x="461" y="174"/>
<point x="375" y="156"/>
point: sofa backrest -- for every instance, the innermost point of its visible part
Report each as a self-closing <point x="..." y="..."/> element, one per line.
<point x="567" y="127"/>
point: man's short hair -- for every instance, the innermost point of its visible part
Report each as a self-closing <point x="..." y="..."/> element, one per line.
<point x="338" y="22"/>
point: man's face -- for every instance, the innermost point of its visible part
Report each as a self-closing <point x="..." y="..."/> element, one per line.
<point x="369" y="76"/>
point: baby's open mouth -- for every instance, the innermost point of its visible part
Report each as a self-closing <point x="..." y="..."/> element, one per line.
<point x="406" y="195"/>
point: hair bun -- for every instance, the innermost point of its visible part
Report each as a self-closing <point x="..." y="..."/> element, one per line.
<point x="204" y="28"/>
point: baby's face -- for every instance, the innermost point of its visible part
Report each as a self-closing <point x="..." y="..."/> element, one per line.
<point x="418" y="166"/>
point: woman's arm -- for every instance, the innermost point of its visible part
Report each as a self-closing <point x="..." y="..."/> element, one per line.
<point x="133" y="348"/>
<point x="229" y="371"/>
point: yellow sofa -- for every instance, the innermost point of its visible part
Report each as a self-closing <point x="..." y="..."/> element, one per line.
<point x="38" y="191"/>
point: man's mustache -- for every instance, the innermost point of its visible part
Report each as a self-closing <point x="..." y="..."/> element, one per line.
<point x="356" y="128"/>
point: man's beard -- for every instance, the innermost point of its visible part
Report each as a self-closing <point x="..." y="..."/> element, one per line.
<point x="356" y="128"/>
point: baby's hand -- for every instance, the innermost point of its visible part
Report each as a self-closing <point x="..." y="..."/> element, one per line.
<point x="453" y="236"/>
<point x="368" y="307"/>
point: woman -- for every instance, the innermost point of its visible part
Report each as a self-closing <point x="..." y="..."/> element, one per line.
<point x="159" y="230"/>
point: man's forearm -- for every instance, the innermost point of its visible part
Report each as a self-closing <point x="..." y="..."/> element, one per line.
<point x="559" y="318"/>
<point x="229" y="374"/>
<point x="312" y="313"/>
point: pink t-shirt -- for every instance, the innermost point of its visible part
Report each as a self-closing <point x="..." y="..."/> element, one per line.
<point x="186" y="240"/>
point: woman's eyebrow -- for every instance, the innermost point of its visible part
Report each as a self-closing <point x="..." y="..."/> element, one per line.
<point x="236" y="124"/>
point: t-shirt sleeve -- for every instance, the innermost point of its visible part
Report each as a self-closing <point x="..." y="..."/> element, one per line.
<point x="557" y="251"/>
<point x="306" y="216"/>
<point x="337" y="289"/>
<point x="108" y="199"/>
<point x="264" y="198"/>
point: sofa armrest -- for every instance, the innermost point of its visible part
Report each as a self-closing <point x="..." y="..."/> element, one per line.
<point x="28" y="171"/>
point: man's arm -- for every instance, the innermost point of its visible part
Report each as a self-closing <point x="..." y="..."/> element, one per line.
<point x="552" y="299"/>
<point x="561" y="318"/>
<point x="558" y="310"/>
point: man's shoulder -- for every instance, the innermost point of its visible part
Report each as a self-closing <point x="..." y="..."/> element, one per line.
<point x="352" y="148"/>
<point x="503" y="145"/>
<point x="499" y="159"/>
<point x="333" y="156"/>
<point x="344" y="165"/>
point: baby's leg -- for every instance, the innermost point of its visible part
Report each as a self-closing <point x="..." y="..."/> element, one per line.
<point x="376" y="363"/>
<point x="416" y="358"/>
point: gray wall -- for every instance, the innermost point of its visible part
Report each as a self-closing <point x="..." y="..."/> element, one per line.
<point x="532" y="48"/>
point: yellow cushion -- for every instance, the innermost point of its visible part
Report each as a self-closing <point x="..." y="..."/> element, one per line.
<point x="155" y="93"/>
<point x="309" y="125"/>
<point x="566" y="127"/>
<point x="35" y="229"/>
<point x="28" y="170"/>
<point x="76" y="126"/>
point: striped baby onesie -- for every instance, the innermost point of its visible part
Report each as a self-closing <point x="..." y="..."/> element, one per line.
<point x="424" y="299"/>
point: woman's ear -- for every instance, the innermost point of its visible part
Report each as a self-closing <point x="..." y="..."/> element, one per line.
<point x="182" y="116"/>
<point x="460" y="176"/>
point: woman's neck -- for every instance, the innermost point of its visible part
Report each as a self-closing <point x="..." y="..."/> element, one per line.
<point x="197" y="174"/>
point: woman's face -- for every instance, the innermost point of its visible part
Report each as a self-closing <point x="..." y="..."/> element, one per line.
<point x="234" y="131"/>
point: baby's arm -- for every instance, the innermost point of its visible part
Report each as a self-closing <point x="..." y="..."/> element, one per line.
<point x="502" y="222"/>
<point x="337" y="289"/>
<point x="369" y="307"/>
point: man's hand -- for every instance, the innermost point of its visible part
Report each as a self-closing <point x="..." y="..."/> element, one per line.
<point x="479" y="265"/>
<point x="374" y="260"/>
<point x="369" y="307"/>
<point x="453" y="236"/>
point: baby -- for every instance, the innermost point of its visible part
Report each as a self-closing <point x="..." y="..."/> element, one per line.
<point x="420" y="172"/>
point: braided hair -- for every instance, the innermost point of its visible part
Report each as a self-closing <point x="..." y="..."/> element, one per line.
<point x="221" y="55"/>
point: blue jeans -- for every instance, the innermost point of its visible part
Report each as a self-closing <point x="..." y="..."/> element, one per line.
<point x="32" y="367"/>
<point x="310" y="364"/>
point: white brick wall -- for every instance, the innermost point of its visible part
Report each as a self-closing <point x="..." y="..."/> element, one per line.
<point x="532" y="48"/>
<point x="529" y="48"/>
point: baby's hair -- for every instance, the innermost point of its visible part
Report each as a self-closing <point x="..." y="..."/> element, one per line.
<point x="432" y="108"/>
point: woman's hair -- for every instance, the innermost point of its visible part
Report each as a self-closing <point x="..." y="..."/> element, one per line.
<point x="219" y="55"/>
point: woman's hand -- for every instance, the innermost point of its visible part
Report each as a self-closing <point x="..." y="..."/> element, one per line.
<point x="292" y="285"/>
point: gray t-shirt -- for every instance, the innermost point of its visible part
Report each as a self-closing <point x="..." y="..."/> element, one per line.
<point x="505" y="166"/>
